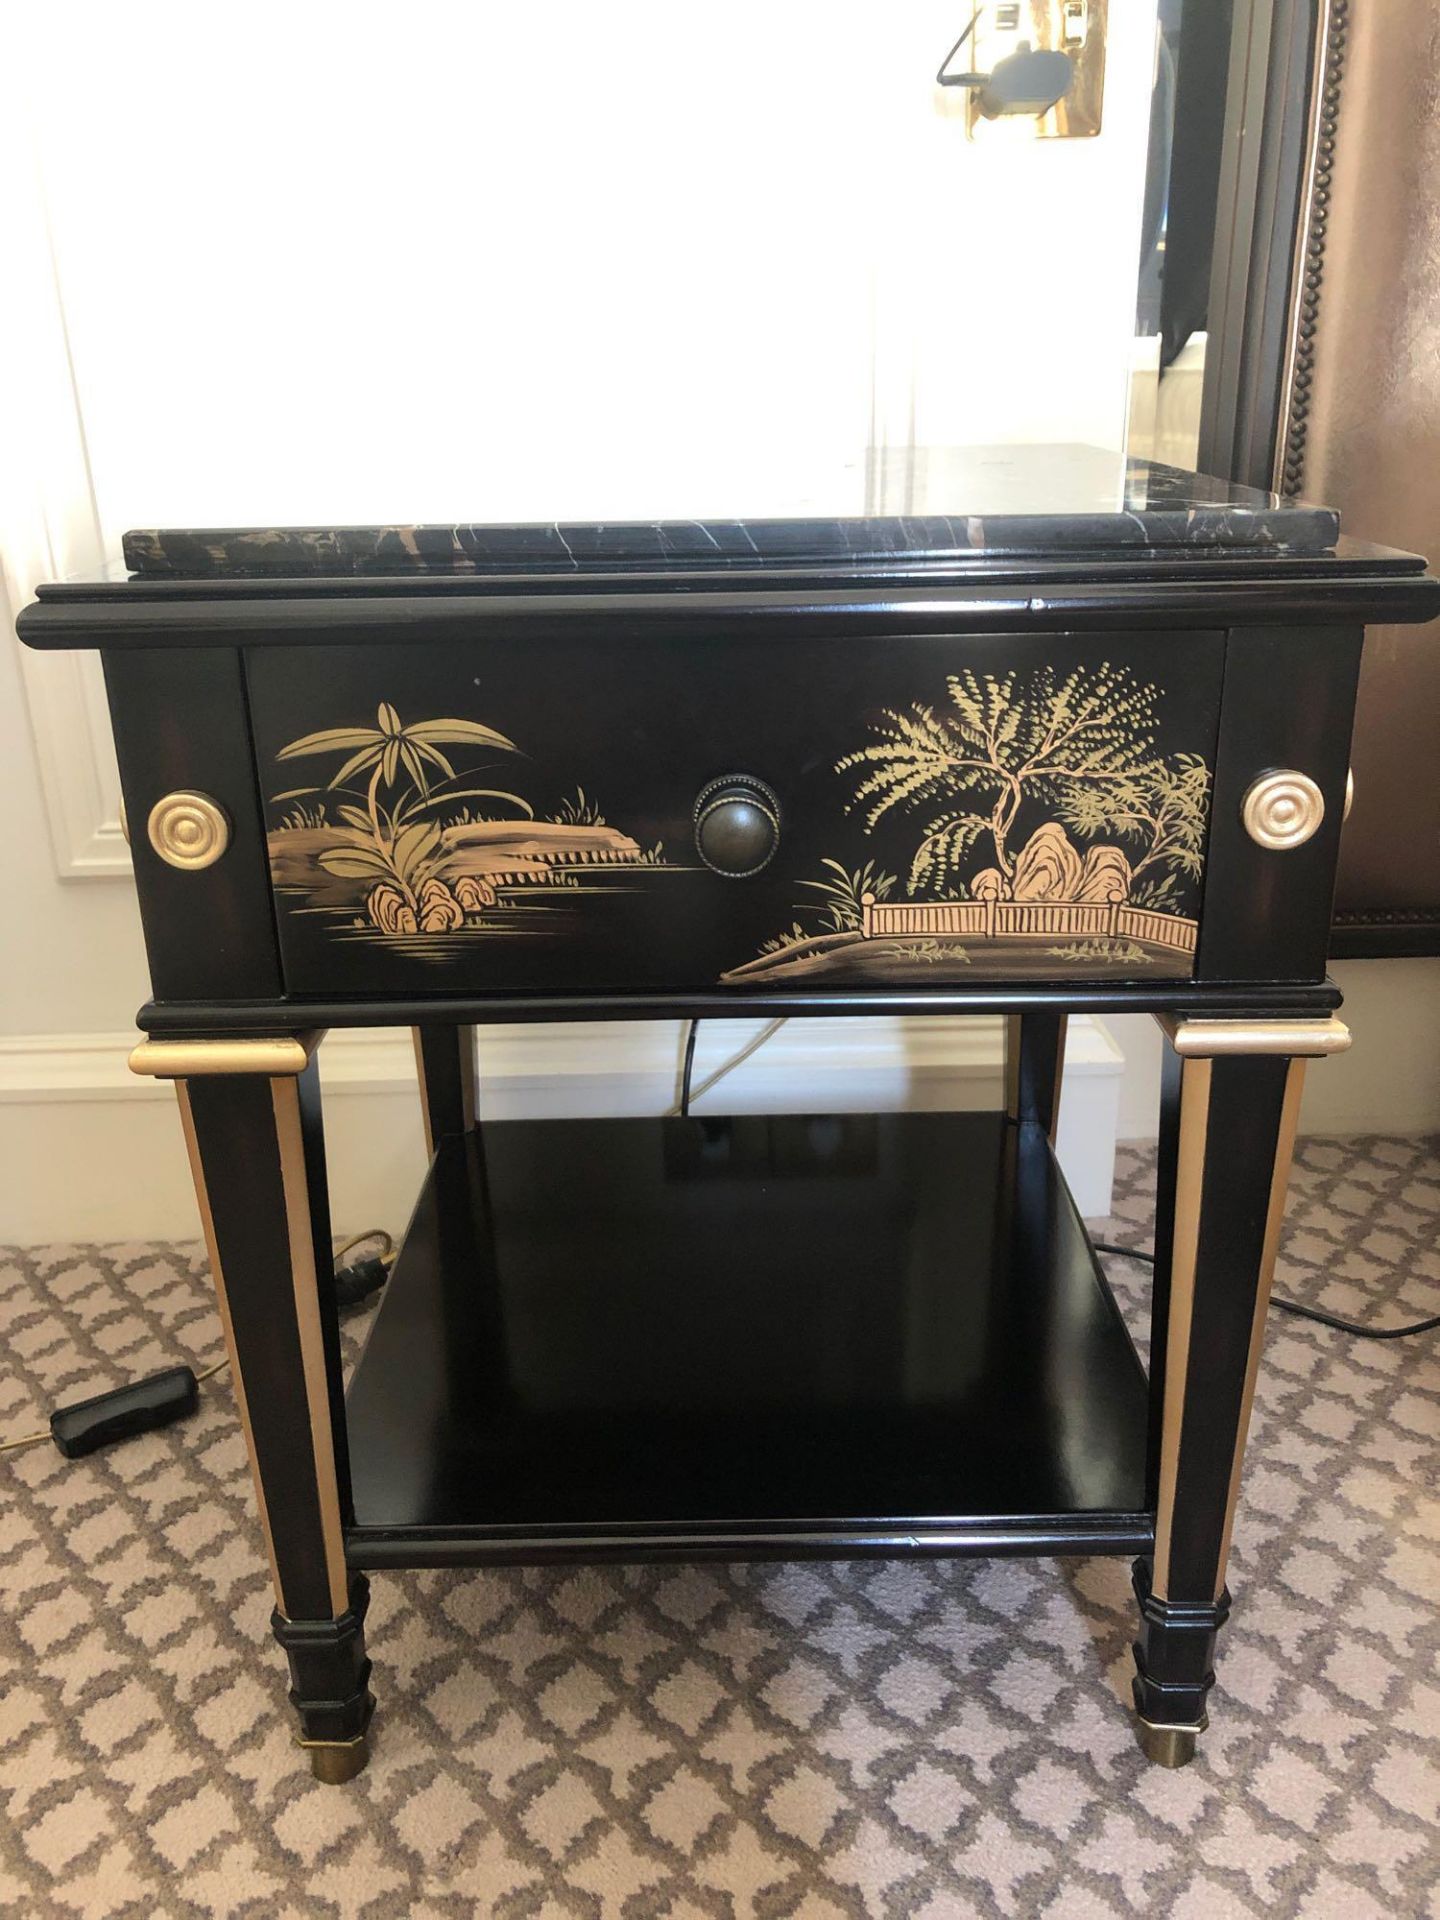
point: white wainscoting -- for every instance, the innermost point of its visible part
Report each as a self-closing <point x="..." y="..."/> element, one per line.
<point x="92" y="1153"/>
<point x="65" y="697"/>
<point x="50" y="518"/>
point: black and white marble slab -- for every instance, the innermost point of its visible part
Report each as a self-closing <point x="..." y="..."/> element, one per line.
<point x="926" y="505"/>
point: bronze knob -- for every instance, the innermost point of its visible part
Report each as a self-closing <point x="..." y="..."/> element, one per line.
<point x="737" y="825"/>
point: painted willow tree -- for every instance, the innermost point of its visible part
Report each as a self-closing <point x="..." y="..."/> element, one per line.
<point x="1164" y="809"/>
<point x="1083" y="745"/>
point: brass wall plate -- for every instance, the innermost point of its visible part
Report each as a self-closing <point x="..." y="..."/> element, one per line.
<point x="1074" y="27"/>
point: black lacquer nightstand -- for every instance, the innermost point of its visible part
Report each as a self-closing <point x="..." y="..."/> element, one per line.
<point x="1078" y="741"/>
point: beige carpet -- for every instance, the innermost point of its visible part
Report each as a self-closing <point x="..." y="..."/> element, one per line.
<point x="862" y="1739"/>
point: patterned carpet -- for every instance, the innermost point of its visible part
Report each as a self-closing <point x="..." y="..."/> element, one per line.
<point x="862" y="1739"/>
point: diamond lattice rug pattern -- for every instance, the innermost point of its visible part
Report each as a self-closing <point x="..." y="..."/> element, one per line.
<point x="810" y="1740"/>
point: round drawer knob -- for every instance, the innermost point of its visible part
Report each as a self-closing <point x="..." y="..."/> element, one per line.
<point x="737" y="825"/>
<point x="189" y="830"/>
<point x="1283" y="810"/>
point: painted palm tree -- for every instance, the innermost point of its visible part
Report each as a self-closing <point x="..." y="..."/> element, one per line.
<point x="1003" y="742"/>
<point x="390" y="841"/>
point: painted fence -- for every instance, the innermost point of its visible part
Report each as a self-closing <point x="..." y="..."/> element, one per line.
<point x="1027" y="920"/>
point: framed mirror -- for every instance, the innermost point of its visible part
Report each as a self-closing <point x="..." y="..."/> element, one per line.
<point x="1303" y="184"/>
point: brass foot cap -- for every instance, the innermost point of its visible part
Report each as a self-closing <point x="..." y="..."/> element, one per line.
<point x="333" y="1762"/>
<point x="1168" y="1746"/>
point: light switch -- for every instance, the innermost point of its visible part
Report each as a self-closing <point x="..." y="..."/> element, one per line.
<point x="1074" y="23"/>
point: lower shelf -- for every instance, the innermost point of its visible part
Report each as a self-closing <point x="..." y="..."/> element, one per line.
<point x="763" y="1335"/>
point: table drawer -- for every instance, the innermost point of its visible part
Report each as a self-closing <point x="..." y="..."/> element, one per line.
<point x="516" y="813"/>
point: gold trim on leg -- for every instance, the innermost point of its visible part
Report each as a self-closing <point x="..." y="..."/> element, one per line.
<point x="1195" y="1078"/>
<point x="333" y="1762"/>
<point x="187" y="1059"/>
<point x="1211" y="1039"/>
<point x="1274" y="1220"/>
<point x="285" y="1098"/>
<point x="217" y="1273"/>
<point x="1168" y="1746"/>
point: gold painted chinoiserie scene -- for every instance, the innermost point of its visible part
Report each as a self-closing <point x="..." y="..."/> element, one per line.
<point x="1078" y="746"/>
<point x="1045" y="830"/>
<point x="398" y="844"/>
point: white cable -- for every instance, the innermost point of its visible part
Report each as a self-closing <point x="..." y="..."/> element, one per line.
<point x="752" y="1045"/>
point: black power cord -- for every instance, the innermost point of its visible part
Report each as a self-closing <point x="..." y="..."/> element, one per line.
<point x="141" y="1406"/>
<point x="1295" y="1306"/>
<point x="693" y="1027"/>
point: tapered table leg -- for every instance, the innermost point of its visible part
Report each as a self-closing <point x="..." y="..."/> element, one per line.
<point x="445" y="1056"/>
<point x="252" y="1126"/>
<point x="1034" y="1065"/>
<point x="1227" y="1131"/>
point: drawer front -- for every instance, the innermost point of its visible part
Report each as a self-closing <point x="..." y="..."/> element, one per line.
<point x="512" y="814"/>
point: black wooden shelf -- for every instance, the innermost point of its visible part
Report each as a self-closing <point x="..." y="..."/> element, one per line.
<point x="633" y="1339"/>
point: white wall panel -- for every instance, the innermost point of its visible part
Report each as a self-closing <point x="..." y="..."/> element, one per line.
<point x="95" y="1154"/>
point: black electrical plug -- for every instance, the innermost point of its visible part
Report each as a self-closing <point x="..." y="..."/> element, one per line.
<point x="145" y="1405"/>
<point x="140" y="1407"/>
<point x="355" y="1283"/>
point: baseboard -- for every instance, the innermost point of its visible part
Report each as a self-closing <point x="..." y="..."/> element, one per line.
<point x="93" y="1153"/>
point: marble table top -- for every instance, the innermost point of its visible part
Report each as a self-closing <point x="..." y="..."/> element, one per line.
<point x="924" y="505"/>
